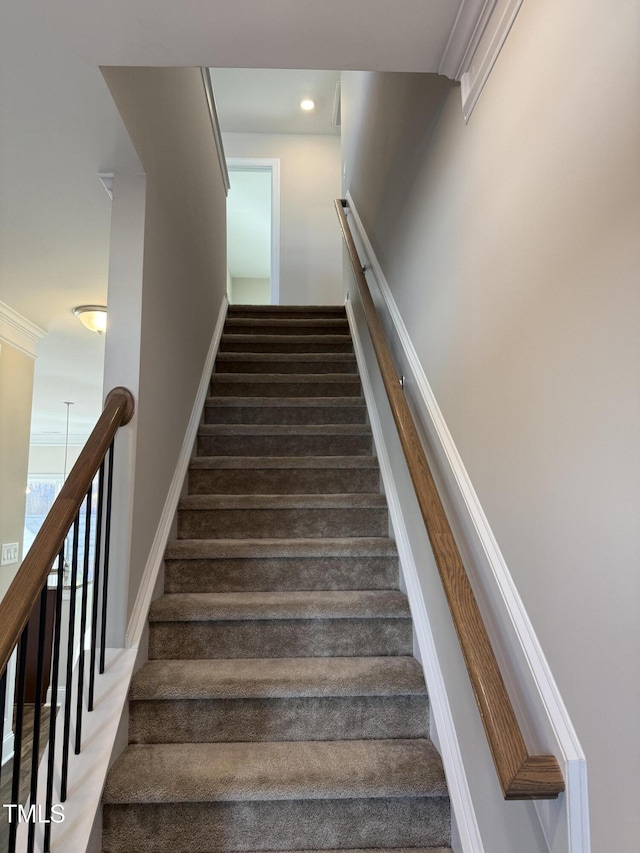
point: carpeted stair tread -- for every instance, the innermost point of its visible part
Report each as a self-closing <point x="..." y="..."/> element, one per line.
<point x="284" y="429"/>
<point x="207" y="463"/>
<point x="288" y="402"/>
<point x="315" y="604"/>
<point x="309" y="379"/>
<point x="298" y="770"/>
<point x="244" y="310"/>
<point x="274" y="502"/>
<point x="199" y="549"/>
<point x="286" y="357"/>
<point x="283" y="324"/>
<point x="278" y="678"/>
<point x="274" y="342"/>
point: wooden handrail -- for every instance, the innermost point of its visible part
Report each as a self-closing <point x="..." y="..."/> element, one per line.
<point x="522" y="776"/>
<point x="16" y="606"/>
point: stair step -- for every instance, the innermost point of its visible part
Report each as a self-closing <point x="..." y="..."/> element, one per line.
<point x="297" y="311"/>
<point x="278" y="516"/>
<point x="287" y="410"/>
<point x="262" y="606"/>
<point x="274" y="796"/>
<point x="285" y="343"/>
<point x="318" y="770"/>
<point x="219" y="565"/>
<point x="251" y="362"/>
<point x="252" y="475"/>
<point x="287" y="325"/>
<point x="278" y="678"/>
<point x="285" y="385"/>
<point x="285" y="440"/>
<point x="203" y="701"/>
<point x="280" y="624"/>
<point x="417" y="823"/>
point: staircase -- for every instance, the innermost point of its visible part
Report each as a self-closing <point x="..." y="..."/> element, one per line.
<point x="281" y="708"/>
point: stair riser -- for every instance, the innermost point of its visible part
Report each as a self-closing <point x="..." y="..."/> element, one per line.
<point x="312" y="313"/>
<point x="292" y="481"/>
<point x="232" y="387"/>
<point x="285" y="445"/>
<point x="286" y="327"/>
<point x="315" y="343"/>
<point x="280" y="523"/>
<point x="280" y="366"/>
<point x="286" y="574"/>
<point x="276" y="825"/>
<point x="285" y="415"/>
<point x="274" y="638"/>
<point x="313" y="718"/>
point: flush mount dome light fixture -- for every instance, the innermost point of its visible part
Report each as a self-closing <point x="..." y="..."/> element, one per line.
<point x="94" y="317"/>
<point x="307" y="104"/>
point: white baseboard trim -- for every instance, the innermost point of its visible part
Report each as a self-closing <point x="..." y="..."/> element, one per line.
<point x="462" y="805"/>
<point x="493" y="567"/>
<point x="140" y="610"/>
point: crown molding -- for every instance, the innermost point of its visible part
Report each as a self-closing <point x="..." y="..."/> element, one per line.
<point x="477" y="36"/>
<point x="462" y="33"/>
<point x="19" y="332"/>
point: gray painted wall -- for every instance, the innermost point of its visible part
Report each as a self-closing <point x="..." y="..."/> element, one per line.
<point x="511" y="248"/>
<point x="184" y="274"/>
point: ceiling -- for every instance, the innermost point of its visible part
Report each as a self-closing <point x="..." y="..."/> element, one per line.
<point x="60" y="128"/>
<point x="267" y="100"/>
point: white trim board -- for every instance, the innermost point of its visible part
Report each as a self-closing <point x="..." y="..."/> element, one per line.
<point x="462" y="804"/>
<point x="142" y="603"/>
<point x="19" y="332"/>
<point x="539" y="687"/>
<point x="215" y="126"/>
<point x="266" y="164"/>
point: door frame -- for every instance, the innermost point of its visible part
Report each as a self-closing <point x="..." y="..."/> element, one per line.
<point x="272" y="165"/>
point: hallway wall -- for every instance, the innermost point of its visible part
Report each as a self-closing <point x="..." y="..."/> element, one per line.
<point x="184" y="275"/>
<point x="511" y="247"/>
<point x="310" y="260"/>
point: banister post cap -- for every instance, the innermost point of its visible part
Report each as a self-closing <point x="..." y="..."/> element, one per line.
<point x="130" y="404"/>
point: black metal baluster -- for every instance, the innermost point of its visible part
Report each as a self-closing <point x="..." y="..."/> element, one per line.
<point x="17" y="743"/>
<point x="3" y="699"/>
<point x="105" y="578"/>
<point x="69" y="680"/>
<point x="37" y="717"/>
<point x="55" y="653"/>
<point x="83" y="619"/>
<point x="96" y="589"/>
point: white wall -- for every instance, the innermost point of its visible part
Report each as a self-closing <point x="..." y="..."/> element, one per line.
<point x="250" y="291"/>
<point x="310" y="261"/>
<point x="511" y="248"/>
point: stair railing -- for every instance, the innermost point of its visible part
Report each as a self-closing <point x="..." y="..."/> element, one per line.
<point x="31" y="623"/>
<point x="522" y="776"/>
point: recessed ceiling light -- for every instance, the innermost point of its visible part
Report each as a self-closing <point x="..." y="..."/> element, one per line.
<point x="307" y="104"/>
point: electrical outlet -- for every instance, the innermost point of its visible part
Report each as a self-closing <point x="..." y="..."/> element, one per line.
<point x="9" y="554"/>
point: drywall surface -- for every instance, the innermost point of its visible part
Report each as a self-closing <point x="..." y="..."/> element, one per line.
<point x="310" y="261"/>
<point x="184" y="273"/>
<point x="16" y="388"/>
<point x="250" y="291"/>
<point x="510" y="245"/>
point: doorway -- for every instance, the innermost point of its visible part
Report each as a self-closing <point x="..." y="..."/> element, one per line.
<point x="253" y="231"/>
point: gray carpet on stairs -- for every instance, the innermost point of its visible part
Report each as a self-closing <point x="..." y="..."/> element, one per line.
<point x="281" y="708"/>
